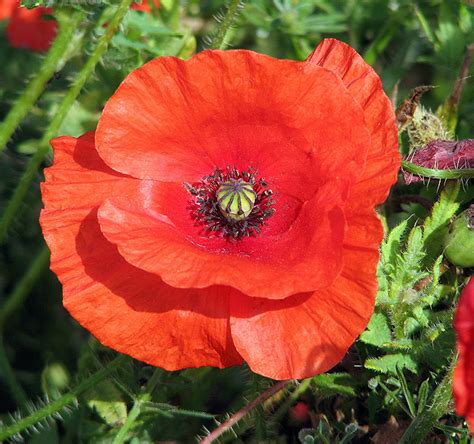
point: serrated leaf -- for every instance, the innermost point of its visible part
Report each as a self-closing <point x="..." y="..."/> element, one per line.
<point x="437" y="223"/>
<point x="107" y="401"/>
<point x="389" y="363"/>
<point x="378" y="331"/>
<point x="391" y="246"/>
<point x="422" y="396"/>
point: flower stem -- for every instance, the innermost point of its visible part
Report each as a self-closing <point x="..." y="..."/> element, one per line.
<point x="137" y="406"/>
<point x="440" y="406"/>
<point x="467" y="173"/>
<point x="218" y="42"/>
<point x="22" y="289"/>
<point x="234" y="419"/>
<point x="35" y="162"/>
<point x="54" y="61"/>
<point x="60" y="403"/>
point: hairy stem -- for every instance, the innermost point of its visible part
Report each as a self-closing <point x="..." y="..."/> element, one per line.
<point x="54" y="61"/>
<point x="467" y="173"/>
<point x="22" y="289"/>
<point x="440" y="406"/>
<point x="218" y="42"/>
<point x="235" y="418"/>
<point x="61" y="402"/>
<point x="35" y="162"/>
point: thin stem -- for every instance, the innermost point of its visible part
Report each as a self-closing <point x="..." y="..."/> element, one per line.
<point x="35" y="162"/>
<point x="235" y="418"/>
<point x="425" y="25"/>
<point x="131" y="418"/>
<point x="9" y="377"/>
<point x="137" y="407"/>
<point x="22" y="289"/>
<point x="218" y="42"/>
<point x="466" y="173"/>
<point x="60" y="403"/>
<point x="440" y="406"/>
<point x="54" y="61"/>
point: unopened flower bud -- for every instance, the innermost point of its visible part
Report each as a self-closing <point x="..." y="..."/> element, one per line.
<point x="460" y="240"/>
<point x="425" y="127"/>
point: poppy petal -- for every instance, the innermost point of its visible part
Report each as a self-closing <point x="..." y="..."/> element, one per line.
<point x="383" y="157"/>
<point x="155" y="234"/>
<point x="463" y="383"/>
<point x="6" y="8"/>
<point x="144" y="5"/>
<point x="176" y="120"/>
<point x="29" y="28"/>
<point x="127" y="309"/>
<point x="309" y="333"/>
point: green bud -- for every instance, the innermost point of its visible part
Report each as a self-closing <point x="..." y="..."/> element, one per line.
<point x="459" y="242"/>
<point x="236" y="199"/>
<point x="54" y="379"/>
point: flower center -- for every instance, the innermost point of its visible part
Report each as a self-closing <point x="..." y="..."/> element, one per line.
<point x="231" y="203"/>
<point x="236" y="199"/>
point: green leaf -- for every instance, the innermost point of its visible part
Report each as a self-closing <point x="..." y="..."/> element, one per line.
<point x="378" y="331"/>
<point x="108" y="402"/>
<point x="391" y="246"/>
<point x="389" y="363"/>
<point x="406" y="392"/>
<point x="437" y="223"/>
<point x="423" y="392"/>
<point x="330" y="384"/>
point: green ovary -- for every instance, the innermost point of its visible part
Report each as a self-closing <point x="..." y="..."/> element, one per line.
<point x="236" y="199"/>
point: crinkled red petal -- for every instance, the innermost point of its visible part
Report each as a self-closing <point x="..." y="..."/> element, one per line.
<point x="463" y="383"/>
<point x="127" y="309"/>
<point x="154" y="231"/>
<point x="175" y="120"/>
<point x="383" y="156"/>
<point x="309" y="333"/>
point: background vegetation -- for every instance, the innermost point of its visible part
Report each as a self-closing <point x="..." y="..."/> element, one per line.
<point x="394" y="381"/>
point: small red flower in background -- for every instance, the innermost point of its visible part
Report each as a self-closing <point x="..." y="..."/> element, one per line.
<point x="145" y="5"/>
<point x="463" y="385"/>
<point x="30" y="28"/>
<point x="224" y="210"/>
<point x="6" y="8"/>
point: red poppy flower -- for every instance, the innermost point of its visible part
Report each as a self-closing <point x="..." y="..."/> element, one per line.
<point x="6" y="8"/>
<point x="31" y="28"/>
<point x="145" y="5"/>
<point x="463" y="385"/>
<point x="224" y="210"/>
